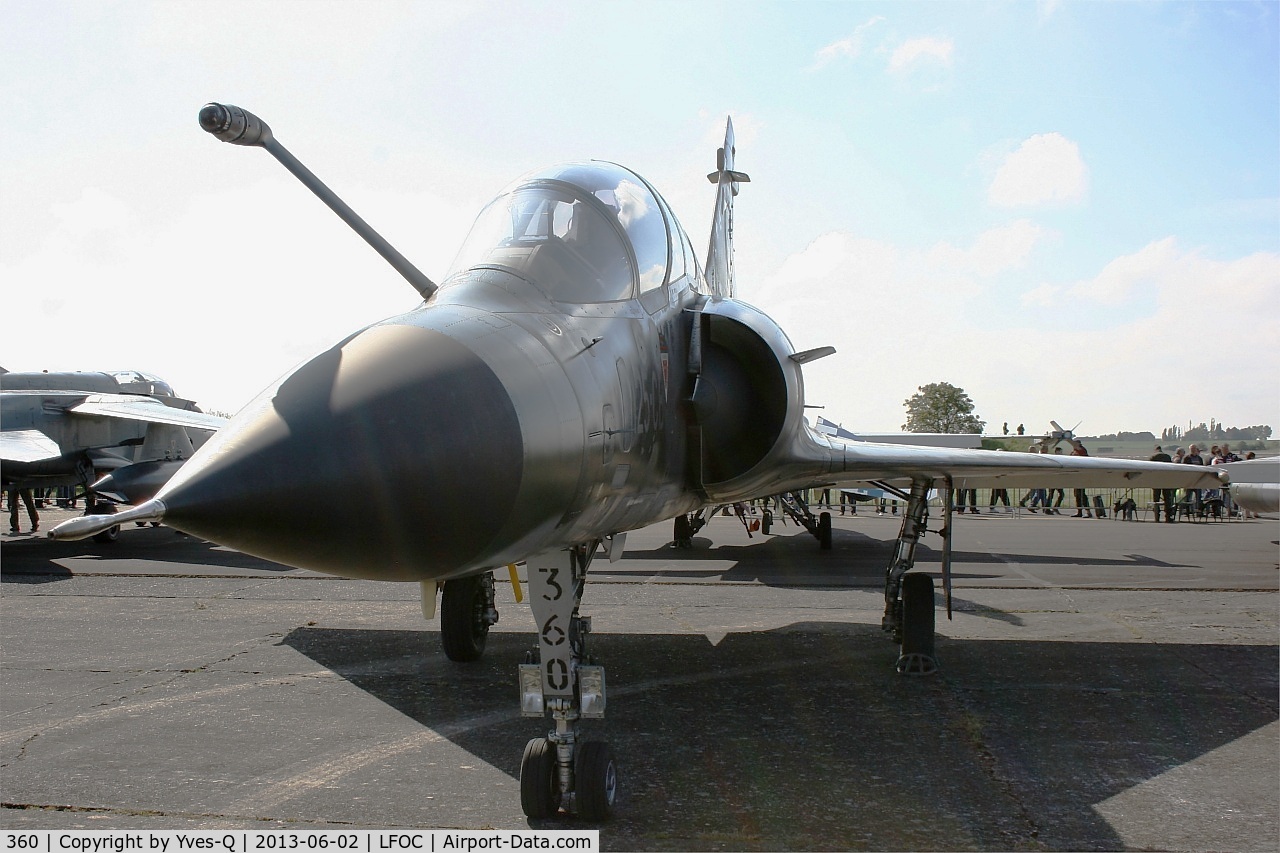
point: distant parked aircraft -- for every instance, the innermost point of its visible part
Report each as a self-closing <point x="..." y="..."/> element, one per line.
<point x="67" y="429"/>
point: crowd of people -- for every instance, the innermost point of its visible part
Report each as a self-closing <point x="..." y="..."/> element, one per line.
<point x="1199" y="502"/>
<point x="1167" y="504"/>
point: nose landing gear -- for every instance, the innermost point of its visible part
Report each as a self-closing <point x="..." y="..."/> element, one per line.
<point x="563" y="772"/>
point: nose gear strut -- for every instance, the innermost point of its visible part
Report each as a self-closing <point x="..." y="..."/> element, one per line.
<point x="563" y="771"/>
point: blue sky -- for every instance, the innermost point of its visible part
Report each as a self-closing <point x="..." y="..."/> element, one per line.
<point x="1071" y="210"/>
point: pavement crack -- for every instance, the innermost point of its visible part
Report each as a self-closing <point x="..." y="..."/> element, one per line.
<point x="1266" y="702"/>
<point x="967" y="723"/>
<point x="139" y="812"/>
<point x="21" y="754"/>
<point x="179" y="674"/>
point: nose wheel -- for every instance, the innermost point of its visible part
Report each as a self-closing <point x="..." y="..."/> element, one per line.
<point x="595" y="775"/>
<point x="539" y="782"/>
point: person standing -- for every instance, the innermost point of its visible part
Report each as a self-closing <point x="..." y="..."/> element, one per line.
<point x="1168" y="498"/>
<point x="1050" y="504"/>
<point x="999" y="494"/>
<point x="885" y="502"/>
<point x="1082" y="497"/>
<point x="25" y="494"/>
<point x="1193" y="457"/>
<point x="959" y="500"/>
<point x="1227" y="458"/>
<point x="1036" y="496"/>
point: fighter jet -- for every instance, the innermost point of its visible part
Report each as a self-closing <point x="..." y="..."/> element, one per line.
<point x="618" y="385"/>
<point x="66" y="429"/>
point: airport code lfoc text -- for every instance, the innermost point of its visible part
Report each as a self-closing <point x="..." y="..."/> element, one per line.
<point x="262" y="841"/>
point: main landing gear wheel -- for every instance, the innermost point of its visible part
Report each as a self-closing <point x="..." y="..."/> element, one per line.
<point x="917" y="657"/>
<point x="596" y="777"/>
<point x="824" y="531"/>
<point x="111" y="533"/>
<point x="464" y="630"/>
<point x="539" y="787"/>
<point x="683" y="532"/>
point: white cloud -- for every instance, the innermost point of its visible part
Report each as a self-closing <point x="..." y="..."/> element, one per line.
<point x="850" y="46"/>
<point x="1046" y="9"/>
<point x="1208" y="336"/>
<point x="1196" y="291"/>
<point x="927" y="48"/>
<point x="994" y="250"/>
<point x="218" y="309"/>
<point x="95" y="210"/>
<point x="1147" y="269"/>
<point x="222" y="32"/>
<point x="1047" y="168"/>
<point x="1044" y="296"/>
<point x="1189" y="334"/>
<point x="875" y="271"/>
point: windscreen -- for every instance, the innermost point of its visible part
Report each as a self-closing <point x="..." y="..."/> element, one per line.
<point x="584" y="232"/>
<point x="563" y="244"/>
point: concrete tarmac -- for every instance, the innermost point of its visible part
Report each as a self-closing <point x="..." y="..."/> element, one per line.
<point x="1105" y="685"/>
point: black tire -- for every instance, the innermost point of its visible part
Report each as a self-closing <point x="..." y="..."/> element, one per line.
<point x="111" y="533"/>
<point x="596" y="775"/>
<point x="463" y="631"/>
<point x="682" y="532"/>
<point x="766" y="522"/>
<point x="824" y="531"/>
<point x="918" y="613"/>
<point x="539" y="791"/>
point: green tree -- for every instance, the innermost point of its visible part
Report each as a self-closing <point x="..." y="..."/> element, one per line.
<point x="941" y="407"/>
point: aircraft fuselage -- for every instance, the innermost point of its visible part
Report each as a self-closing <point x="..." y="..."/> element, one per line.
<point x="452" y="439"/>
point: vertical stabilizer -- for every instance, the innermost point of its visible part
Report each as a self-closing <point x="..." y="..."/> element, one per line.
<point x="720" y="252"/>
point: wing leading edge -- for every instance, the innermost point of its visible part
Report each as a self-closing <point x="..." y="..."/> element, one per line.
<point x="815" y="459"/>
<point x="27" y="445"/>
<point x="147" y="409"/>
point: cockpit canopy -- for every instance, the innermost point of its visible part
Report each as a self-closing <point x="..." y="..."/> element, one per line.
<point x="583" y="232"/>
<point x="90" y="382"/>
<point x="137" y="382"/>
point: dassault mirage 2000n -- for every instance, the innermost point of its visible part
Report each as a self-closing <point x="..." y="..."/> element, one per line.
<point x="619" y="386"/>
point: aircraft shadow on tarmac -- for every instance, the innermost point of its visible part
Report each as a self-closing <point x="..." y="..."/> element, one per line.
<point x="804" y="738"/>
<point x="39" y="560"/>
<point x="855" y="559"/>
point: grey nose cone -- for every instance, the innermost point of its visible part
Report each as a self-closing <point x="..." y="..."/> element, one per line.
<point x="395" y="455"/>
